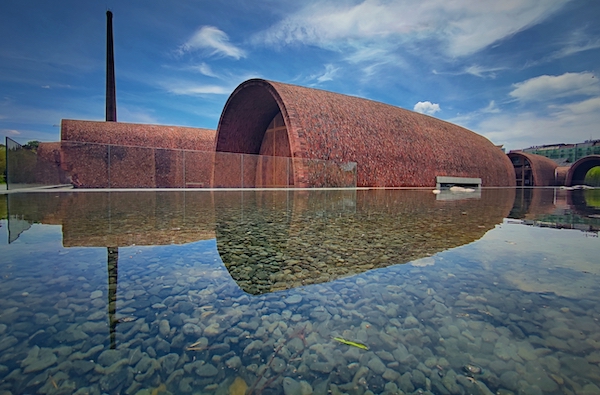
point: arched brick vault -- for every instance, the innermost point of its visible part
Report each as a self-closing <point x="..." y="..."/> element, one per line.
<point x="579" y="169"/>
<point x="392" y="146"/>
<point x="542" y="168"/>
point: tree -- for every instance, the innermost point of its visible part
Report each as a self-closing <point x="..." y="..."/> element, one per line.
<point x="32" y="145"/>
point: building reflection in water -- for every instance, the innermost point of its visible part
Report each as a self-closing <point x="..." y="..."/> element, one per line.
<point x="558" y="208"/>
<point x="113" y="220"/>
<point x="275" y="240"/>
<point x="287" y="239"/>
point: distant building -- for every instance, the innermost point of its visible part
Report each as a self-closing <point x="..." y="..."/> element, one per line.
<point x="566" y="153"/>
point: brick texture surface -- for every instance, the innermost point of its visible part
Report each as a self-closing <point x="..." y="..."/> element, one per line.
<point x="392" y="146"/>
<point x="125" y="155"/>
<point x="543" y="169"/>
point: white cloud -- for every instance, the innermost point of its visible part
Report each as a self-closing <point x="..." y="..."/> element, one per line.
<point x="583" y="107"/>
<point x="214" y="40"/>
<point x="569" y="123"/>
<point x="204" y="69"/>
<point x="574" y="48"/>
<point x="462" y="27"/>
<point x="547" y="86"/>
<point x="476" y="70"/>
<point x="577" y="41"/>
<point x="427" y="107"/>
<point x="195" y="89"/>
<point x="374" y="57"/>
<point x="327" y="75"/>
<point x="10" y="132"/>
<point x="483" y="72"/>
<point x="491" y="108"/>
<point x="132" y="114"/>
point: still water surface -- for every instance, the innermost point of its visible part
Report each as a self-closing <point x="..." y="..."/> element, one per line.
<point x="300" y="292"/>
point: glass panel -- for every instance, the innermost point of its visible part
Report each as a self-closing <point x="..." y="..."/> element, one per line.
<point x="169" y="168"/>
<point x="87" y="164"/>
<point x="92" y="165"/>
<point x="28" y="167"/>
<point x="325" y="174"/>
<point x="228" y="170"/>
<point x="198" y="169"/>
<point x="131" y="167"/>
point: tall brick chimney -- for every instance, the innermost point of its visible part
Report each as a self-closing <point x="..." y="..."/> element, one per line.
<point x="111" y="95"/>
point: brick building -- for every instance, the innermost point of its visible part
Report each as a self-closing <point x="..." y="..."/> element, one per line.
<point x="273" y="134"/>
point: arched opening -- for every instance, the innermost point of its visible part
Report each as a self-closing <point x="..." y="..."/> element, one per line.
<point x="532" y="170"/>
<point x="580" y="169"/>
<point x="274" y="164"/>
<point x="523" y="171"/>
<point x="253" y="123"/>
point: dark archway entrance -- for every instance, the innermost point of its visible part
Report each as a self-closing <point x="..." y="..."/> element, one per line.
<point x="577" y="172"/>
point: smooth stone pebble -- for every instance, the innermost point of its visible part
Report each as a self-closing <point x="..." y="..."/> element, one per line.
<point x="207" y="370"/>
<point x="164" y="328"/>
<point x="293" y="299"/>
<point x="96" y="294"/>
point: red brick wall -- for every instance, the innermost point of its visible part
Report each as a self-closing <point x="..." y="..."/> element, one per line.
<point x="392" y="146"/>
<point x="125" y="155"/>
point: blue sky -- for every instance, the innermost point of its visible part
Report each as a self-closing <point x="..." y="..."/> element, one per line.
<point x="520" y="72"/>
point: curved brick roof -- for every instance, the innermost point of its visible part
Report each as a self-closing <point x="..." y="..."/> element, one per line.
<point x="392" y="146"/>
<point x="561" y="174"/>
<point x="543" y="168"/>
<point x="579" y="169"/>
<point x="138" y="135"/>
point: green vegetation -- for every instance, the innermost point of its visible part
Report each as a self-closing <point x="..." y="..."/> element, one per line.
<point x="592" y="178"/>
<point x="592" y="197"/>
<point x="3" y="207"/>
<point x="32" y="145"/>
<point x="23" y="159"/>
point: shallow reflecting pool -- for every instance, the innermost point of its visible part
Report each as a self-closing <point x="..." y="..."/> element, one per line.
<point x="300" y="292"/>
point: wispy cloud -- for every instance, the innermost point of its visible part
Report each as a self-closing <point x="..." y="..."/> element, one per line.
<point x="195" y="89"/>
<point x="128" y="113"/>
<point x="212" y="40"/>
<point x="516" y="130"/>
<point x="476" y="70"/>
<point x="574" y="48"/>
<point x="483" y="72"/>
<point x="576" y="42"/>
<point x="427" y="107"/>
<point x="204" y="69"/>
<point x="491" y="108"/>
<point x="547" y="87"/>
<point x="528" y="129"/>
<point x="462" y="27"/>
<point x="10" y="132"/>
<point x="327" y="75"/>
<point x="582" y="107"/>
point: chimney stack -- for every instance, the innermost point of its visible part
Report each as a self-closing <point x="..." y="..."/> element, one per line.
<point x="111" y="95"/>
